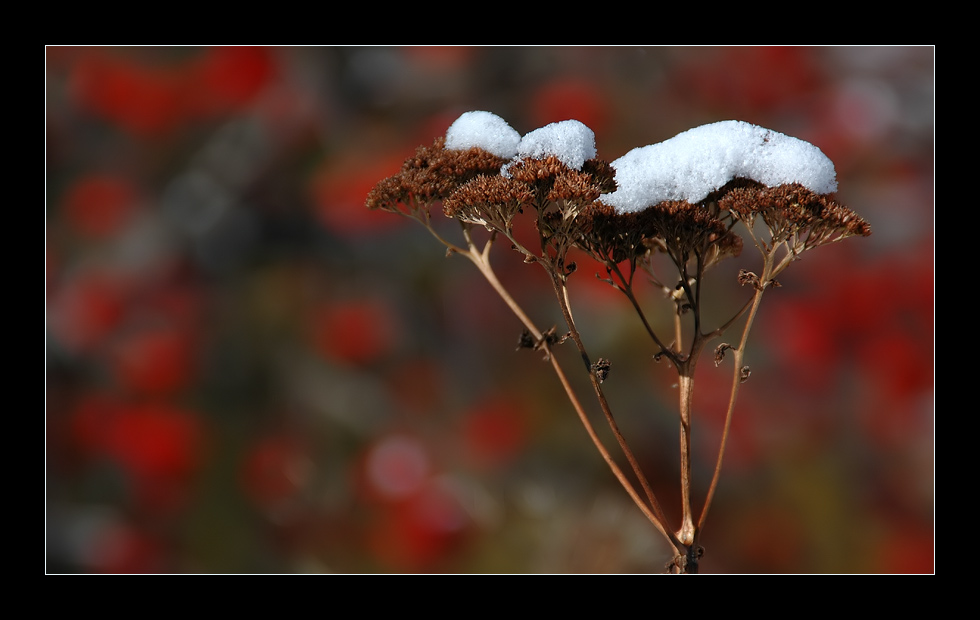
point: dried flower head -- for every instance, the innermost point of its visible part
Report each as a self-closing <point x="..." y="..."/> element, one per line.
<point x="568" y="195"/>
<point x="602" y="173"/>
<point x="490" y="201"/>
<point x="611" y="237"/>
<point x="560" y="197"/>
<point x="685" y="230"/>
<point x="536" y="171"/>
<point x="793" y="213"/>
<point x="557" y="184"/>
<point x="678" y="228"/>
<point x="432" y="174"/>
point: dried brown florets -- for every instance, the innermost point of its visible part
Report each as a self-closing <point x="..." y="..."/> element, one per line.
<point x="574" y="187"/>
<point x="388" y="193"/>
<point x="558" y="195"/>
<point x="490" y="201"/>
<point x="611" y="237"/>
<point x="562" y="189"/>
<point x="685" y="229"/>
<point x="537" y="170"/>
<point x="430" y="175"/>
<point x="792" y="211"/>
<point x="676" y="227"/>
<point x="541" y="172"/>
<point x="603" y="174"/>
<point x="572" y="206"/>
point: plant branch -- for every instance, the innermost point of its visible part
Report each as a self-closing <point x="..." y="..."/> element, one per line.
<point x="627" y="289"/>
<point x="482" y="262"/>
<point x="561" y="292"/>
<point x="737" y="379"/>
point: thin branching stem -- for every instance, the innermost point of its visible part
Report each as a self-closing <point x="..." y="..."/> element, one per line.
<point x="627" y="289"/>
<point x="737" y="378"/>
<point x="655" y="517"/>
<point x="561" y="292"/>
<point x="653" y="511"/>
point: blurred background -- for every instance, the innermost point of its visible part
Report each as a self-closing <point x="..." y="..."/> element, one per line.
<point x="248" y="372"/>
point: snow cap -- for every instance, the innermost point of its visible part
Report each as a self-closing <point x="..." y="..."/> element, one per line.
<point x="572" y="142"/>
<point x="694" y="163"/>
<point x="485" y="130"/>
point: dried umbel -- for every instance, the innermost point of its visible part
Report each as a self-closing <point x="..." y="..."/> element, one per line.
<point x="694" y="237"/>
<point x="611" y="238"/>
<point x="793" y="213"/>
<point x="489" y="201"/>
<point x="556" y="196"/>
<point x="432" y="174"/>
<point x="565" y="197"/>
<point x="558" y="188"/>
<point x="687" y="231"/>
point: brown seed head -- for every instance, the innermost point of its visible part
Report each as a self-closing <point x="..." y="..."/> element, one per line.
<point x="793" y="211"/>
<point x="432" y="174"/>
<point x="491" y="201"/>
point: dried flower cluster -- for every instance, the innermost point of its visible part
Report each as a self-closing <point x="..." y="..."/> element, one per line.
<point x="484" y="191"/>
<point x="431" y="175"/>
<point x="569" y="211"/>
<point x="793" y="212"/>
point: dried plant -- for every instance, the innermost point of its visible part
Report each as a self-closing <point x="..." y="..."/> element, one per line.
<point x="570" y="209"/>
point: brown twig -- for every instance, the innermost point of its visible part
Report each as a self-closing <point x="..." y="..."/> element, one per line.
<point x="653" y="511"/>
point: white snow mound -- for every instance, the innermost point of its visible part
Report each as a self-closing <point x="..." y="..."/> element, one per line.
<point x="572" y="142"/>
<point x="485" y="130"/>
<point x="694" y="163"/>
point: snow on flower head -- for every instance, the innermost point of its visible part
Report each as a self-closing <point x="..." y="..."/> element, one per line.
<point x="694" y="163"/>
<point x="572" y="142"/>
<point x="484" y="130"/>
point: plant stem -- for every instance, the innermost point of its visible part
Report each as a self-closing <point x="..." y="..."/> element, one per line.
<point x="658" y="518"/>
<point x="627" y="289"/>
<point x="686" y="386"/>
<point x="737" y="379"/>
<point x="656" y="515"/>
<point x="561" y="293"/>
<point x="688" y="531"/>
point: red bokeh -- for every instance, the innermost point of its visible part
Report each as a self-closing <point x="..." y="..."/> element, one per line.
<point x="356" y="331"/>
<point x="815" y="335"/>
<point x="86" y="306"/>
<point x="339" y="190"/>
<point x="155" y="440"/>
<point x="98" y="206"/>
<point x="150" y="99"/>
<point x="421" y="533"/>
<point x="143" y="101"/>
<point x="570" y="98"/>
<point x="223" y="79"/>
<point x="276" y="470"/>
<point x="123" y="548"/>
<point x="494" y="432"/>
<point x="748" y="81"/>
<point x="158" y="446"/>
<point x="908" y="549"/>
<point x="415" y="520"/>
<point x="155" y="361"/>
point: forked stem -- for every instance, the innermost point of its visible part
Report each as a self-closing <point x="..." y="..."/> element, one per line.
<point x="561" y="292"/>
<point x="737" y="379"/>
<point x="653" y="511"/>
